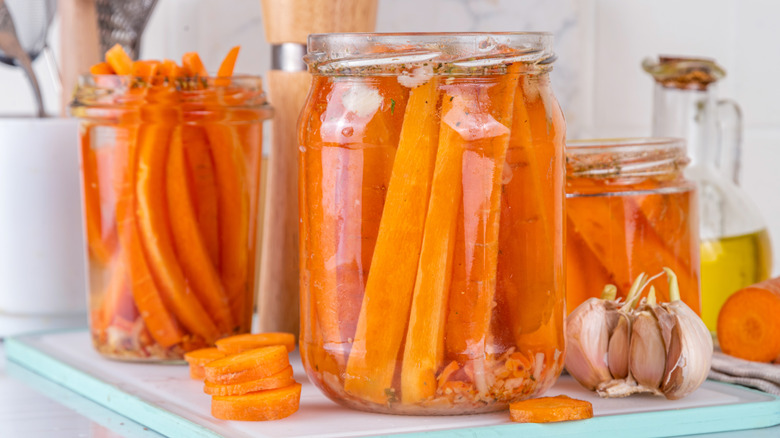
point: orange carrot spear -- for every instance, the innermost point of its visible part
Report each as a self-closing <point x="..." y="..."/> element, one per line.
<point x="390" y="284"/>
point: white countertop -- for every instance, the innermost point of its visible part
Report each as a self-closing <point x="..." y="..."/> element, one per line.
<point x="32" y="406"/>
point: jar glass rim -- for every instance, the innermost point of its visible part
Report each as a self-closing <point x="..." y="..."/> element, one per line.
<point x="637" y="156"/>
<point x="112" y="89"/>
<point x="446" y="52"/>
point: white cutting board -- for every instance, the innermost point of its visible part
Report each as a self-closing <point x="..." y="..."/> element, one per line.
<point x="164" y="398"/>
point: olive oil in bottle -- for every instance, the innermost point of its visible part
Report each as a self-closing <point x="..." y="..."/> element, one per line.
<point x="729" y="264"/>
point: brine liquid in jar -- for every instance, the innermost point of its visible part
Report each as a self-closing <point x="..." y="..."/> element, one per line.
<point x="727" y="265"/>
<point x="431" y="208"/>
<point x="629" y="210"/>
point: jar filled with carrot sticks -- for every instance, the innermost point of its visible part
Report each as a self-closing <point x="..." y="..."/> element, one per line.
<point x="170" y="169"/>
<point x="431" y="214"/>
<point x="630" y="210"/>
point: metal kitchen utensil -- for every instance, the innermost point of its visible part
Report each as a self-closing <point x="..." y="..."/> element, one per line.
<point x="123" y="22"/>
<point x="12" y="52"/>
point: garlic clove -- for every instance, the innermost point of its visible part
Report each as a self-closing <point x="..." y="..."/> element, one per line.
<point x="618" y="348"/>
<point x="647" y="354"/>
<point x="587" y="340"/>
<point x="689" y="355"/>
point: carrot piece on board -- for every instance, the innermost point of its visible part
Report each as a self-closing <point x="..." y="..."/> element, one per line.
<point x="159" y="320"/>
<point x="250" y="341"/>
<point x="190" y="247"/>
<point x="550" y="410"/>
<point x="192" y="64"/>
<point x="153" y="222"/>
<point x="249" y="365"/>
<point x="391" y="280"/>
<point x="748" y="323"/>
<point x="101" y="68"/>
<point x="279" y="380"/>
<point x="484" y="121"/>
<point x="229" y="63"/>
<point x="119" y="60"/>
<point x="233" y="203"/>
<point x="198" y="358"/>
<point x="273" y="404"/>
<point x="204" y="188"/>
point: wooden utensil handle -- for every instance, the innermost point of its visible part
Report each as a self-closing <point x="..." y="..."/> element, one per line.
<point x="80" y="44"/>
<point x="291" y="21"/>
<point x="277" y="302"/>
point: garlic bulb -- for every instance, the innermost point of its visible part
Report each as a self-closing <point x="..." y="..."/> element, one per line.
<point x="618" y="349"/>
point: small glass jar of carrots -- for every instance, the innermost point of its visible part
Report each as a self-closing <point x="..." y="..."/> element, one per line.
<point x="431" y="172"/>
<point x="630" y="210"/>
<point x="170" y="170"/>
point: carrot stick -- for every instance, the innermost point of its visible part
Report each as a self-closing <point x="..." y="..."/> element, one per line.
<point x="111" y="303"/>
<point x="197" y="359"/>
<point x="526" y="242"/>
<point x="249" y="365"/>
<point x="145" y="69"/>
<point x="550" y="410"/>
<point x="91" y="190"/>
<point x="153" y="223"/>
<point x="390" y="283"/>
<point x="233" y="202"/>
<point x="162" y="325"/>
<point x="279" y="380"/>
<point x="473" y="286"/>
<point x="188" y="242"/>
<point x="748" y="323"/>
<point x="119" y="60"/>
<point x="250" y="341"/>
<point x="170" y="69"/>
<point x="346" y="179"/>
<point x="229" y="63"/>
<point x="192" y="65"/>
<point x="584" y="272"/>
<point x="101" y="68"/>
<point x="204" y="188"/>
<point x="424" y="349"/>
<point x="274" y="404"/>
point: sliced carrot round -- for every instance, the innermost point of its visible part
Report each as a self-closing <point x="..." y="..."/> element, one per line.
<point x="550" y="410"/>
<point x="241" y="343"/>
<point x="198" y="358"/>
<point x="279" y="380"/>
<point x="250" y="365"/>
<point x="274" y="404"/>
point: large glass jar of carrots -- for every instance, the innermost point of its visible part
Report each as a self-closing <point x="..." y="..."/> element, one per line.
<point x="630" y="210"/>
<point x="170" y="168"/>
<point x="431" y="215"/>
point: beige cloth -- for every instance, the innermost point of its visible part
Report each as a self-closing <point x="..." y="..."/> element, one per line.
<point x="758" y="375"/>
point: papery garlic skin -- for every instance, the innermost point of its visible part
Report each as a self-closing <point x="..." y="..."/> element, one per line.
<point x="689" y="355"/>
<point x="647" y="355"/>
<point x="587" y="340"/>
<point x="619" y="350"/>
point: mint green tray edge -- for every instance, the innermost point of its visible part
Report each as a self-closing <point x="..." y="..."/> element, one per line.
<point x="646" y="424"/>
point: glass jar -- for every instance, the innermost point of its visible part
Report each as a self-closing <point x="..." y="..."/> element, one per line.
<point x="431" y="208"/>
<point x="170" y="173"/>
<point x="630" y="210"/>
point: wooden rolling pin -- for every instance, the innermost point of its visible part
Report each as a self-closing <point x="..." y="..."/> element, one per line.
<point x="287" y="26"/>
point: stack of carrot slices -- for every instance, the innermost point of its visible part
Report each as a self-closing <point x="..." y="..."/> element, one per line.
<point x="248" y="376"/>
